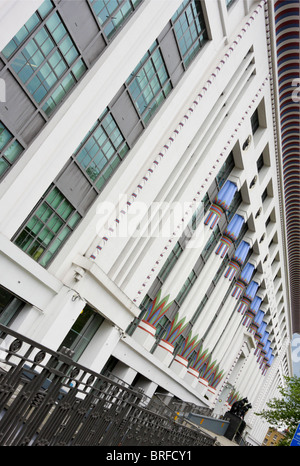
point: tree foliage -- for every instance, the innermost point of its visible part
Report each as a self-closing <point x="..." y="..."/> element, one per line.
<point x="284" y="412"/>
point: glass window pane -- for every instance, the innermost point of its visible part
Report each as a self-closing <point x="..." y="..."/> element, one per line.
<point x="65" y="209"/>
<point x="112" y="13"/>
<point x="55" y="223"/>
<point x="25" y="73"/>
<point x="36" y="60"/>
<point x="21" y="35"/>
<point x="13" y="151"/>
<point x="47" y="229"/>
<point x="41" y="36"/>
<point x="9" y="49"/>
<point x="3" y="166"/>
<point x="189" y="29"/>
<point x="74" y="220"/>
<point x="79" y="69"/>
<point x="145" y="83"/>
<point x="56" y="27"/>
<point x="5" y="136"/>
<point x="68" y="82"/>
<point x="47" y="46"/>
<point x="40" y="93"/>
<point x="32" y="63"/>
<point x="36" y="250"/>
<point x="82" y="331"/>
<point x="45" y="8"/>
<point x="44" y="212"/>
<point x="35" y="225"/>
<point x="58" y="95"/>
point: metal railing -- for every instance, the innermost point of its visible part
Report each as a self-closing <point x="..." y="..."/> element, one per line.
<point x="48" y="399"/>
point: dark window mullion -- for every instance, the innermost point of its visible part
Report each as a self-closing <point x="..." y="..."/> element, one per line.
<point x="89" y="155"/>
<point x="48" y="57"/>
<point x="46" y="60"/>
<point x="13" y="138"/>
<point x="110" y="18"/>
<point x="55" y="237"/>
<point x="127" y="90"/>
<point x="2" y="155"/>
<point x="161" y="67"/>
<point x="55" y="87"/>
<point x="61" y="228"/>
<point x="47" y="246"/>
<point x="48" y="95"/>
<point x="134" y="75"/>
<point x="100" y="27"/>
<point x="29" y="237"/>
<point x="115" y="12"/>
<point x="37" y="105"/>
<point x="110" y="160"/>
<point x="153" y="100"/>
<point x="200" y="26"/>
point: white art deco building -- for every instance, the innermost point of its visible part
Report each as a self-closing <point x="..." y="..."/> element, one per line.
<point x="149" y="191"/>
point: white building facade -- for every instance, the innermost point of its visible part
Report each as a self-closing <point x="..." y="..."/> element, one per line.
<point x="143" y="220"/>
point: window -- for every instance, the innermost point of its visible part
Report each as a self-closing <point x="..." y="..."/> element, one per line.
<point x="260" y="163"/>
<point x="254" y="121"/>
<point x="220" y="271"/>
<point x="10" y="306"/>
<point x="247" y="143"/>
<point x="82" y="332"/>
<point x="199" y="213"/>
<point x="264" y="195"/>
<point x="48" y="227"/>
<point x="56" y="216"/>
<point x="190" y="30"/>
<point x="225" y="170"/>
<point x="211" y="243"/>
<point x="27" y="29"/>
<point x="170" y="262"/>
<point x="229" y="3"/>
<point x="253" y="182"/>
<point x="243" y="231"/>
<point x="149" y="83"/>
<point x="236" y="202"/>
<point x="49" y="64"/>
<point x="186" y="287"/>
<point x="272" y="218"/>
<point x="258" y="213"/>
<point x="10" y="149"/>
<point x="109" y="366"/>
<point x="111" y="14"/>
<point x="102" y="150"/>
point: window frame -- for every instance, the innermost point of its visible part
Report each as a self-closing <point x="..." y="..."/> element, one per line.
<point x="82" y="335"/>
<point x="201" y="36"/>
<point x="51" y="100"/>
<point x="8" y="144"/>
<point x="152" y="77"/>
<point x="7" y="315"/>
<point x="120" y="150"/>
<point x="112" y="16"/>
<point x="24" y="234"/>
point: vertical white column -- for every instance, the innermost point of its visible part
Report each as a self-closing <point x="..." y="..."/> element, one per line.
<point x="101" y="347"/>
<point x="216" y="298"/>
<point x="225" y="343"/>
<point x="58" y="318"/>
<point x="217" y="328"/>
